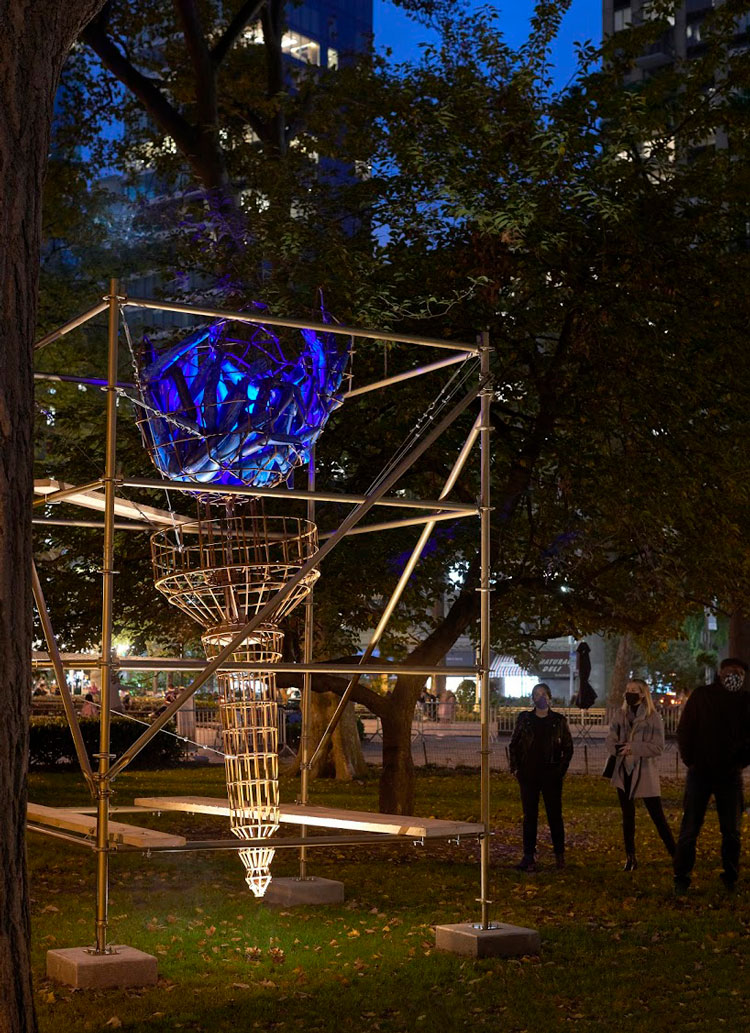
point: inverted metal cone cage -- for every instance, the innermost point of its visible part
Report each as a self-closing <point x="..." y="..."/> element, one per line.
<point x="222" y="570"/>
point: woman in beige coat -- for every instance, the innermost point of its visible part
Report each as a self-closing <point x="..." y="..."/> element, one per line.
<point x="636" y="740"/>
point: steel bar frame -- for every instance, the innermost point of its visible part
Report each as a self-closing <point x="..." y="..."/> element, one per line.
<point x="136" y="663"/>
<point x="57" y="664"/>
<point x="442" y="509"/>
<point x="386" y="525"/>
<point x="64" y="378"/>
<point x="391" y="525"/>
<point x="214" y="845"/>
<point x="302" y="324"/>
<point x="63" y="493"/>
<point x="104" y="781"/>
<point x="285" y="494"/>
<point x="397" y="592"/>
<point x="307" y="680"/>
<point x="409" y="374"/>
<point x="73" y="324"/>
<point x="313" y="563"/>
<point x="132" y="525"/>
<point x="485" y="395"/>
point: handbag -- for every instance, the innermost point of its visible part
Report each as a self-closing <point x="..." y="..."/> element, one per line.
<point x="609" y="767"/>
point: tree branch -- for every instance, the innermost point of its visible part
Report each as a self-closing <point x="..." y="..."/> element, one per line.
<point x="200" y="57"/>
<point x="247" y="13"/>
<point x="337" y="684"/>
<point x="166" y="116"/>
<point x="272" y="19"/>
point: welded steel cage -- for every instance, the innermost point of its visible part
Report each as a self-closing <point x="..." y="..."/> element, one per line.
<point x="222" y="569"/>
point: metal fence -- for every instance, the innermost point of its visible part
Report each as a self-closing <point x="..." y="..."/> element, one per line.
<point x="440" y="742"/>
<point x="452" y="737"/>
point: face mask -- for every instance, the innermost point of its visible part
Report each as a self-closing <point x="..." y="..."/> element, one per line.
<point x="541" y="702"/>
<point x="632" y="699"/>
<point x="733" y="681"/>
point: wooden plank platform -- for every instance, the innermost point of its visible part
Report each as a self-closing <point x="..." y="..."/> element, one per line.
<point x="325" y="817"/>
<point x="71" y="820"/>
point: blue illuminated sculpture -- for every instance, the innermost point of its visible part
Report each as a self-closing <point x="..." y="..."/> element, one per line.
<point x="226" y="407"/>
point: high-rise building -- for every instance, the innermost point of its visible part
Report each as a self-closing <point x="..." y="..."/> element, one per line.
<point x="322" y="32"/>
<point x="318" y="34"/>
<point x="682" y="40"/>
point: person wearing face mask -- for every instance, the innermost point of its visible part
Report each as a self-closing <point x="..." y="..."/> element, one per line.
<point x="540" y="751"/>
<point x="713" y="736"/>
<point x="636" y="740"/>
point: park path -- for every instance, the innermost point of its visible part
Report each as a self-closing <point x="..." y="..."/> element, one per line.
<point x="458" y="745"/>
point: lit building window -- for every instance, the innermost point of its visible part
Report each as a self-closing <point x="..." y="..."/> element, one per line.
<point x="333" y="58"/>
<point x="693" y="33"/>
<point x="623" y="18"/>
<point x="253" y="33"/>
<point x="293" y="44"/>
<point x="301" y="48"/>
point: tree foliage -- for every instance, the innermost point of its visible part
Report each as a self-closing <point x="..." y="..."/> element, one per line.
<point x="601" y="242"/>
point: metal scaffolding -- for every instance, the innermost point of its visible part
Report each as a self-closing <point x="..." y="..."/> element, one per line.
<point x="226" y="651"/>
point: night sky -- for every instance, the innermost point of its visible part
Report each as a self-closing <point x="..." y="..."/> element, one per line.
<point x="582" y="22"/>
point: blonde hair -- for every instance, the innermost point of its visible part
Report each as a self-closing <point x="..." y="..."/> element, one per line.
<point x="645" y="691"/>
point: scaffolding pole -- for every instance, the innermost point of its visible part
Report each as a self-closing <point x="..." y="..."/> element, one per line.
<point x="57" y="664"/>
<point x="73" y="324"/>
<point x="409" y="374"/>
<point x="397" y="502"/>
<point x="159" y="663"/>
<point x="307" y="683"/>
<point x="485" y="394"/>
<point x="263" y="319"/>
<point x="313" y="563"/>
<point x="107" y="771"/>
<point x="397" y="592"/>
<point x="103" y="782"/>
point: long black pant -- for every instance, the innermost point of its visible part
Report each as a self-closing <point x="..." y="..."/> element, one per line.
<point x="656" y="813"/>
<point x="550" y="788"/>
<point x="726" y="789"/>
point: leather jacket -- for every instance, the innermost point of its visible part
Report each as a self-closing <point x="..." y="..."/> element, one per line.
<point x="521" y="746"/>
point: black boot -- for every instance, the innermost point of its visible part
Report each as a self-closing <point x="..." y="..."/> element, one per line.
<point x="630" y="863"/>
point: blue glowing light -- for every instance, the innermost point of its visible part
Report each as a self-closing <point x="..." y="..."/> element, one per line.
<point x="225" y="406"/>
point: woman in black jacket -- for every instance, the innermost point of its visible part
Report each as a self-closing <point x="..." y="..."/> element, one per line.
<point x="540" y="752"/>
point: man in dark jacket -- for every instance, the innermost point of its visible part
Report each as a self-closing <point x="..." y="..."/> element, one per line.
<point x="713" y="736"/>
<point x="540" y="751"/>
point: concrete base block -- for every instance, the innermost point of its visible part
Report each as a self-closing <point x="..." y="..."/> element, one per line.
<point x="76" y="967"/>
<point x="500" y="940"/>
<point x="296" y="892"/>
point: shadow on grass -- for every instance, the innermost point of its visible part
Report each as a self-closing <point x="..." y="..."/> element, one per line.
<point x="617" y="947"/>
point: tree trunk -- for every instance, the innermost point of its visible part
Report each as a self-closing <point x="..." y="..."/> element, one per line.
<point x="739" y="636"/>
<point x="34" y="40"/>
<point x="343" y="758"/>
<point x="397" y="780"/>
<point x="621" y="671"/>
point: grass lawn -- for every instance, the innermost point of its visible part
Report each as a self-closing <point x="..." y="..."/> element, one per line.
<point x="618" y="951"/>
